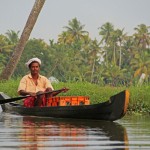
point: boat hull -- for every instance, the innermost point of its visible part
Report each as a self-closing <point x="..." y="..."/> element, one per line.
<point x="111" y="110"/>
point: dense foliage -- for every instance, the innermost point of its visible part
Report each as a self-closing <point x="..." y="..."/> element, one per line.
<point x="116" y="59"/>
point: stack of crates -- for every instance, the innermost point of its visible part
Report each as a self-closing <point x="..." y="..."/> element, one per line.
<point x="68" y="101"/>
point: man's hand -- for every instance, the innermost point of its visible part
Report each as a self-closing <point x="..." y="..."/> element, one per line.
<point x="31" y="94"/>
<point x="48" y="95"/>
<point x="48" y="89"/>
<point x="64" y="89"/>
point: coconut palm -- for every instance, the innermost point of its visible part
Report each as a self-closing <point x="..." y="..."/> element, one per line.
<point x="75" y="29"/>
<point x="121" y="37"/>
<point x="65" y="38"/>
<point x="141" y="64"/>
<point x="114" y="75"/>
<point x="9" y="69"/>
<point x="117" y="38"/>
<point x="94" y="56"/>
<point x="12" y="36"/>
<point x="129" y="49"/>
<point x="113" y="44"/>
<point x="142" y="36"/>
<point x="5" y="50"/>
<point x="106" y="31"/>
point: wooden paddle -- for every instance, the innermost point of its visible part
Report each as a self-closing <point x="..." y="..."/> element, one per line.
<point x="3" y="101"/>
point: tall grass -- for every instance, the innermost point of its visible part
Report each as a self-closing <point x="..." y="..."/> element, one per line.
<point x="140" y="98"/>
<point x="9" y="87"/>
<point x="139" y="95"/>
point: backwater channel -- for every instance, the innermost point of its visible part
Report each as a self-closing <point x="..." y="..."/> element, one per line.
<point x="36" y="133"/>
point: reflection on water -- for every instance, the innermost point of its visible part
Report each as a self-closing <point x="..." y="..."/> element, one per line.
<point x="33" y="133"/>
<point x="138" y="130"/>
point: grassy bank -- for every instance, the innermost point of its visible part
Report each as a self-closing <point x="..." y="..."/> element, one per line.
<point x="139" y="95"/>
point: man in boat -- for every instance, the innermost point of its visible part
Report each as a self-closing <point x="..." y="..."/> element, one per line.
<point x="34" y="84"/>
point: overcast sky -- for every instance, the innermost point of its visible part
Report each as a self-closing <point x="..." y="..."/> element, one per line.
<point x="55" y="15"/>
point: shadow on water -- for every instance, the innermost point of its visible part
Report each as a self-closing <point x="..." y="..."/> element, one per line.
<point x="47" y="133"/>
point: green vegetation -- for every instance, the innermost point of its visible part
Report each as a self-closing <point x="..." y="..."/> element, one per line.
<point x="96" y="68"/>
<point x="115" y="59"/>
<point x="139" y="95"/>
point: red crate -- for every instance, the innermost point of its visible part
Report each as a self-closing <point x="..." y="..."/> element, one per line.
<point x="68" y="101"/>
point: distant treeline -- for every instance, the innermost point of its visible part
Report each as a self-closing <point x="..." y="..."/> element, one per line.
<point x="115" y="59"/>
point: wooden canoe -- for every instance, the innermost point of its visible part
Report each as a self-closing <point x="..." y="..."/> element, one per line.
<point x="113" y="109"/>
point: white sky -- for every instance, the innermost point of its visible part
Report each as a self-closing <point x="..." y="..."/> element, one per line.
<point x="55" y="15"/>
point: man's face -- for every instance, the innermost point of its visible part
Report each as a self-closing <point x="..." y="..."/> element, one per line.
<point x="34" y="68"/>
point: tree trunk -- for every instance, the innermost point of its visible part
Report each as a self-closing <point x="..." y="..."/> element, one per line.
<point x="10" y="67"/>
<point x="114" y="54"/>
<point x="142" y="78"/>
<point x="93" y="66"/>
<point x="120" y="56"/>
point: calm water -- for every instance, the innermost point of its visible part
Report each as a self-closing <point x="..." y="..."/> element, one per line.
<point x="35" y="133"/>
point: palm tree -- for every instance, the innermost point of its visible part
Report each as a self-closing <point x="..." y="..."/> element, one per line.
<point x="12" y="36"/>
<point x="9" y="69"/>
<point x="65" y="38"/>
<point x="113" y="75"/>
<point x="94" y="52"/>
<point x="128" y="48"/>
<point x="6" y="50"/>
<point x="113" y="43"/>
<point x="121" y="38"/>
<point x="75" y="29"/>
<point x="106" y="31"/>
<point x="142" y="36"/>
<point x="141" y="64"/>
<point x="116" y="39"/>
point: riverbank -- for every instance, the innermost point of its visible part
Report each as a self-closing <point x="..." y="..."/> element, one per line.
<point x="139" y="95"/>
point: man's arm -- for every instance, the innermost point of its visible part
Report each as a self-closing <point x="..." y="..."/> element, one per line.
<point x="54" y="93"/>
<point x="61" y="90"/>
<point x="24" y="93"/>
